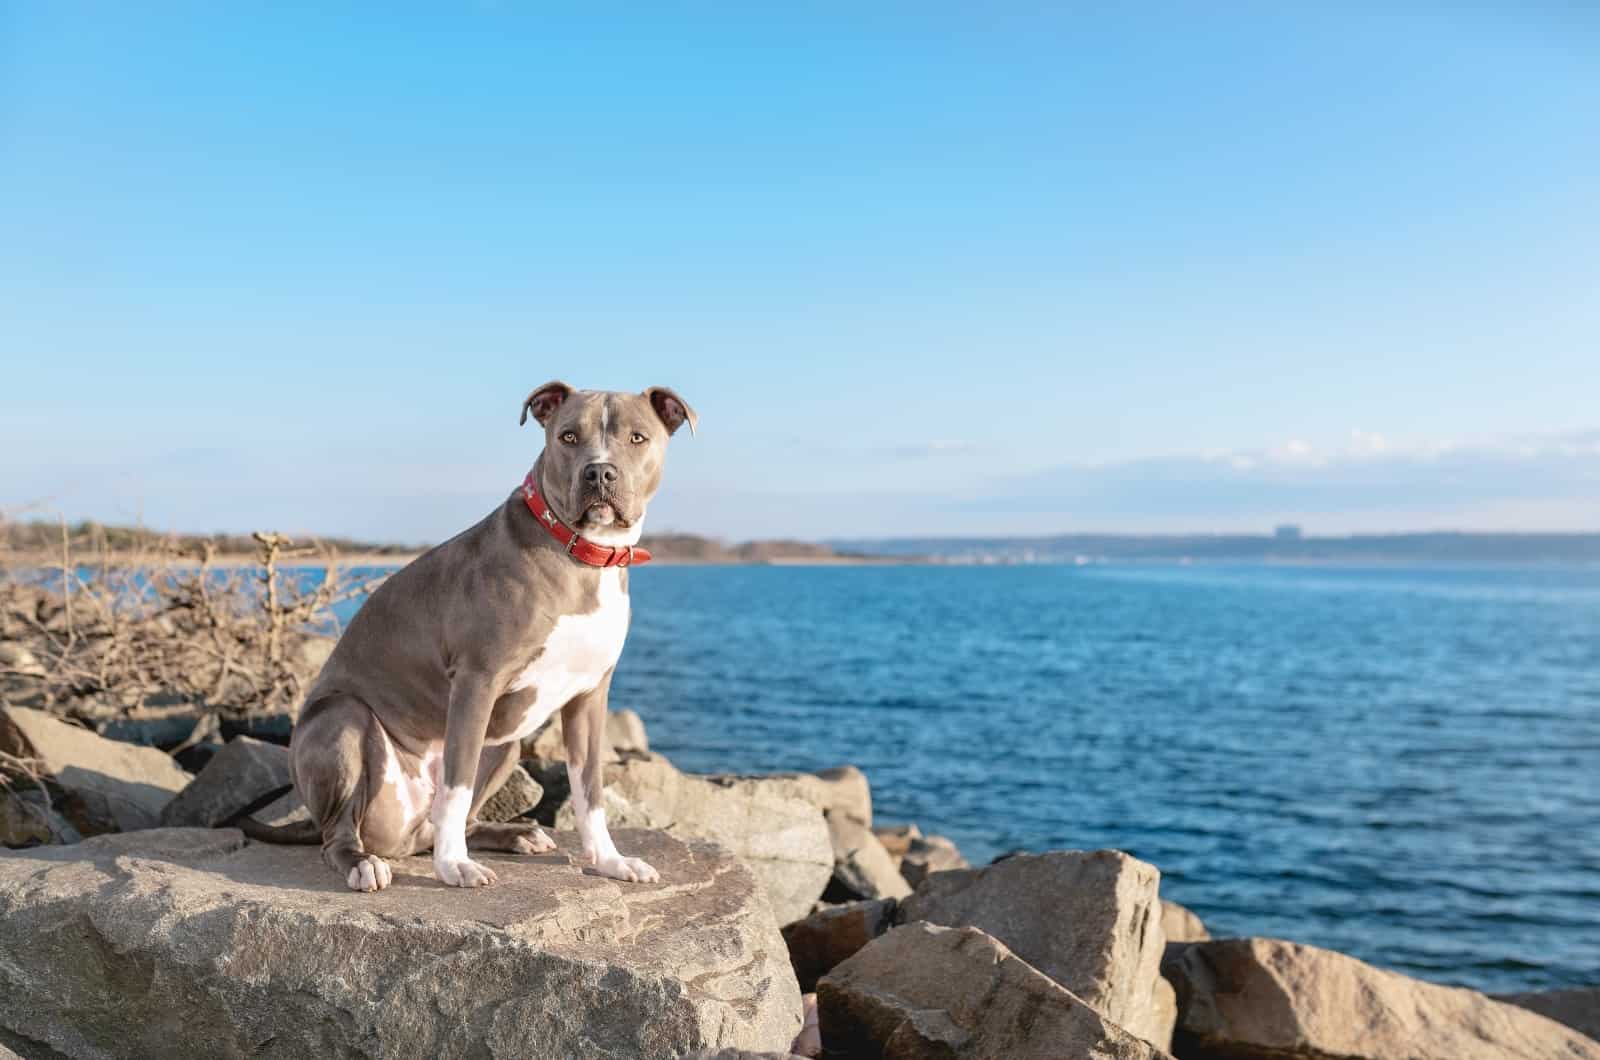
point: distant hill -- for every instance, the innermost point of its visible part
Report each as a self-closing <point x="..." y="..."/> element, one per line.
<point x="692" y="548"/>
<point x="1439" y="547"/>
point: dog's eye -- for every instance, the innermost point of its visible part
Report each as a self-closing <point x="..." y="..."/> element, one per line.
<point x="638" y="439"/>
<point x="569" y="437"/>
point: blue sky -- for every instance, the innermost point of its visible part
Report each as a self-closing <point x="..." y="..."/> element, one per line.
<point x="921" y="269"/>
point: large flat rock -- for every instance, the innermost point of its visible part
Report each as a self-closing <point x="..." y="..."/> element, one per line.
<point x="1243" y="999"/>
<point x="197" y="943"/>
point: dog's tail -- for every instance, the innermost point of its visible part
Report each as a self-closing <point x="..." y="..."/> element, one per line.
<point x="295" y="833"/>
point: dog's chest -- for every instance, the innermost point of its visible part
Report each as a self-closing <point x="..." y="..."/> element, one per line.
<point x="577" y="654"/>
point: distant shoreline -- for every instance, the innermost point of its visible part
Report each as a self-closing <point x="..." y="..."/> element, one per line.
<point x="352" y="560"/>
<point x="39" y="544"/>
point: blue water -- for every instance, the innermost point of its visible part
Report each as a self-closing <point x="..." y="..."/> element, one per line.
<point x="1401" y="764"/>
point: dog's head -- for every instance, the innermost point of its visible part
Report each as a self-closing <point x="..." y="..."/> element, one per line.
<point x="603" y="454"/>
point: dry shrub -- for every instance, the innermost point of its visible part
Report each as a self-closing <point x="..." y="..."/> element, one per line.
<point x="96" y="630"/>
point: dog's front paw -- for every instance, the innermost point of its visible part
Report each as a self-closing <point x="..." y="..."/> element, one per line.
<point x="631" y="870"/>
<point x="463" y="872"/>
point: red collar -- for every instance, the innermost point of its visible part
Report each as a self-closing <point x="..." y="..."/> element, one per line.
<point x="578" y="547"/>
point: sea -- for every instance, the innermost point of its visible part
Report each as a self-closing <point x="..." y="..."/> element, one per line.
<point x="1398" y="763"/>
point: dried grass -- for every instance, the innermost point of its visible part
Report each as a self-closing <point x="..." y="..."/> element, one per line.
<point x="97" y="631"/>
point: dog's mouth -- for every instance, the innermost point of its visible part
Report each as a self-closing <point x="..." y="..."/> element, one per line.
<point x="603" y="513"/>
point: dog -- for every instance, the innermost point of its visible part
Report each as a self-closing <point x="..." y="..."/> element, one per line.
<point x="419" y="714"/>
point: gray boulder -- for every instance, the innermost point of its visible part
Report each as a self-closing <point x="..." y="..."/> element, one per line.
<point x="26" y="819"/>
<point x="833" y="933"/>
<point x="1252" y="998"/>
<point x="1578" y="1008"/>
<point x="924" y="991"/>
<point x="926" y="855"/>
<point x="103" y="785"/>
<point x="520" y="794"/>
<point x="862" y="868"/>
<point x="198" y="943"/>
<point x="242" y="773"/>
<point x="286" y="809"/>
<point x="765" y="821"/>
<point x="1089" y="920"/>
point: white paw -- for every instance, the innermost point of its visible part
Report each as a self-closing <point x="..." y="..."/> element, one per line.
<point x="463" y="872"/>
<point x="633" y="870"/>
<point x="369" y="874"/>
<point x="535" y="842"/>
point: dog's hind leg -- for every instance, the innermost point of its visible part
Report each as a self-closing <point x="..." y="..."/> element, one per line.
<point x="512" y="837"/>
<point x="335" y="743"/>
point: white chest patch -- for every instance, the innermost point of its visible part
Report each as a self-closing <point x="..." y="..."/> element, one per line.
<point x="579" y="651"/>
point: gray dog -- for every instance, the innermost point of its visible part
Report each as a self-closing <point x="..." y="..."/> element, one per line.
<point x="420" y="712"/>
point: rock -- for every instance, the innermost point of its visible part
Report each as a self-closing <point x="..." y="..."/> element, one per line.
<point x="896" y="839"/>
<point x="1163" y="1014"/>
<point x="842" y="791"/>
<point x="766" y="821"/>
<point x="104" y="786"/>
<point x="520" y="794"/>
<point x="194" y="758"/>
<point x="546" y="743"/>
<point x="833" y="933"/>
<point x="928" y="991"/>
<point x="272" y="728"/>
<point x="1089" y="920"/>
<point x="552" y="777"/>
<point x="165" y="726"/>
<point x="22" y="1049"/>
<point x="1178" y="924"/>
<point x="861" y="867"/>
<point x="25" y="820"/>
<point x="1265" y="997"/>
<point x="286" y="809"/>
<point x="198" y="943"/>
<point x="926" y="855"/>
<point x="1578" y="1008"/>
<point x="243" y="773"/>
<point x="624" y="733"/>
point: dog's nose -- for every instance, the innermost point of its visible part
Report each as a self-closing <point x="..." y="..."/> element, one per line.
<point x="600" y="474"/>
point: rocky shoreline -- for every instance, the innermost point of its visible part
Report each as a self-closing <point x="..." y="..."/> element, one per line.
<point x="136" y="921"/>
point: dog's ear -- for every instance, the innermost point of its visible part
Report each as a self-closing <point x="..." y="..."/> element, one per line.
<point x="544" y="401"/>
<point x="673" y="410"/>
